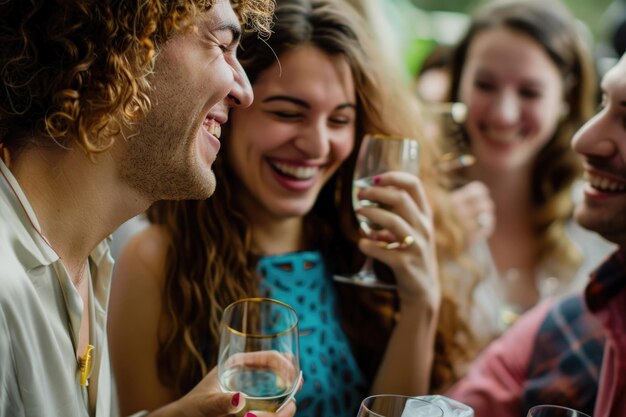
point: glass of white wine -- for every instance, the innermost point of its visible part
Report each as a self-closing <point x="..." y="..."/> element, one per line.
<point x="397" y="406"/>
<point x="378" y="154"/>
<point x="554" y="411"/>
<point x="259" y="354"/>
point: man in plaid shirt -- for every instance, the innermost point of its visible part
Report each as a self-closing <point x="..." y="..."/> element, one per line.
<point x="572" y="352"/>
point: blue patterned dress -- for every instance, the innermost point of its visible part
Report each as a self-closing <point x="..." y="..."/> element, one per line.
<point x="333" y="383"/>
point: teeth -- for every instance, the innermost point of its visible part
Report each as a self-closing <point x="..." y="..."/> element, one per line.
<point x="213" y="128"/>
<point x="299" y="172"/>
<point x="603" y="183"/>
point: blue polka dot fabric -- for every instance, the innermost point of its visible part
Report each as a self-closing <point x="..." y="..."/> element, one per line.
<point x="333" y="384"/>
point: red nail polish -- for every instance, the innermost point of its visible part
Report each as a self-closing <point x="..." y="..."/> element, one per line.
<point x="376" y="180"/>
<point x="250" y="415"/>
<point x="235" y="400"/>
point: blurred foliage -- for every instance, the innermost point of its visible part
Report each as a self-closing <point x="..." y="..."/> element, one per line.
<point x="588" y="11"/>
<point x="420" y="26"/>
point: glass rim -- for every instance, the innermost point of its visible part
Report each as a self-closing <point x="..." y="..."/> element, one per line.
<point x="406" y="397"/>
<point x="260" y="300"/>
<point x="561" y="407"/>
<point x="393" y="137"/>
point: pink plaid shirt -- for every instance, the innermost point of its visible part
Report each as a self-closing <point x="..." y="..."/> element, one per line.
<point x="571" y="353"/>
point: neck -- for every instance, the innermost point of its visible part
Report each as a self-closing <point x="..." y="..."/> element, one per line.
<point x="511" y="194"/>
<point x="78" y="202"/>
<point x="277" y="236"/>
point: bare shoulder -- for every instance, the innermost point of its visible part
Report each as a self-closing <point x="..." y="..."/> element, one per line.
<point x="136" y="293"/>
<point x="144" y="254"/>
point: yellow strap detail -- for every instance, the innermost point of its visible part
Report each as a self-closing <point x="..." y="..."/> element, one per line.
<point x="85" y="366"/>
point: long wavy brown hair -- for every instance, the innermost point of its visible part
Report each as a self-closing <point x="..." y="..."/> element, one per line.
<point x="75" y="71"/>
<point x="211" y="262"/>
<point x="556" y="167"/>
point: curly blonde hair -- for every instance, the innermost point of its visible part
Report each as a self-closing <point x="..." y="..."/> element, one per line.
<point x="75" y="71"/>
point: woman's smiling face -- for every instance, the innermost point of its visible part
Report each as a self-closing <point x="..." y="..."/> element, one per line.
<point x="514" y="94"/>
<point x="296" y="134"/>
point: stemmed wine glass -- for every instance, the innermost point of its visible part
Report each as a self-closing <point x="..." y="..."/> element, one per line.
<point x="378" y="154"/>
<point x="258" y="353"/>
<point x="397" y="406"/>
<point x="554" y="411"/>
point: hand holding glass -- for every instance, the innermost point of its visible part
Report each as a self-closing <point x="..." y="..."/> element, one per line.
<point x="378" y="154"/>
<point x="258" y="353"/>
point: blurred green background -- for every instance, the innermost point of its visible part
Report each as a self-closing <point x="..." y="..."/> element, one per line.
<point x="589" y="11"/>
<point x="417" y="25"/>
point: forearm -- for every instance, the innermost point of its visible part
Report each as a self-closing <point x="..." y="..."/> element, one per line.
<point x="407" y="362"/>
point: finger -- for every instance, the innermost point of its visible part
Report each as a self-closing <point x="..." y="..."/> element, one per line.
<point x="287" y="411"/>
<point x="390" y="189"/>
<point x="261" y="359"/>
<point x="283" y="363"/>
<point x="475" y="189"/>
<point x="485" y="223"/>
<point x="395" y="224"/>
<point x="482" y="206"/>
<point x="222" y="404"/>
<point x="470" y="194"/>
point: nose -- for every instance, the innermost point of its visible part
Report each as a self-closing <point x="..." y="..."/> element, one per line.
<point x="596" y="137"/>
<point x="241" y="95"/>
<point x="314" y="142"/>
<point x="506" y="109"/>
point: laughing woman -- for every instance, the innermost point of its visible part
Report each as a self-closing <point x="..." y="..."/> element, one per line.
<point x="524" y="104"/>
<point x="286" y="163"/>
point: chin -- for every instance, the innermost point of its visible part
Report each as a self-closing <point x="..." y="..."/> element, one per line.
<point x="206" y="188"/>
<point x="198" y="187"/>
<point x="294" y="210"/>
<point x="605" y="225"/>
<point x="585" y="219"/>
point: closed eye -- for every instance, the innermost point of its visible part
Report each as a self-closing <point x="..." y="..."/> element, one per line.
<point x="287" y="115"/>
<point x="532" y="94"/>
<point x="340" y="121"/>
<point x="227" y="48"/>
<point x="484" y="86"/>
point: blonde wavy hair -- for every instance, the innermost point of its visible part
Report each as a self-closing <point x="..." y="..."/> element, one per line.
<point x="74" y="72"/>
<point x="211" y="261"/>
<point x="556" y="167"/>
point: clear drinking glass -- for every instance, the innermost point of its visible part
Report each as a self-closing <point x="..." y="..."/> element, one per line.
<point x="378" y="154"/>
<point x="258" y="353"/>
<point x="443" y="124"/>
<point x="554" y="411"/>
<point x="397" y="406"/>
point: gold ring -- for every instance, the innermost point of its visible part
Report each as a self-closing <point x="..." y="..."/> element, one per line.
<point x="406" y="242"/>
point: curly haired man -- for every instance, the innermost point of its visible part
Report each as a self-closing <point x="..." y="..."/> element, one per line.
<point x="105" y="107"/>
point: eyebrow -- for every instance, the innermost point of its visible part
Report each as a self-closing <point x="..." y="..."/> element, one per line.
<point x="532" y="83"/>
<point x="234" y="29"/>
<point x="302" y="103"/>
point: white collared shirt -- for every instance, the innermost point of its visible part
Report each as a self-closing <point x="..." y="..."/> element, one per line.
<point x="40" y="313"/>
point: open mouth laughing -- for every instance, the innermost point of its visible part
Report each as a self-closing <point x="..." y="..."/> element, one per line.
<point x="293" y="171"/>
<point x="605" y="184"/>
<point x="213" y="127"/>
